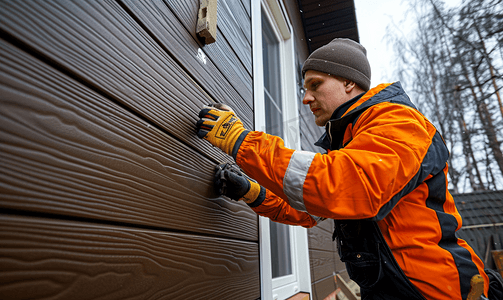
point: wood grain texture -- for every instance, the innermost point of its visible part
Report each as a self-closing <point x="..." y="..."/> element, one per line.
<point x="238" y="23"/>
<point x="323" y="288"/>
<point x="104" y="47"/>
<point x="323" y="255"/>
<point x="322" y="263"/>
<point x="320" y="239"/>
<point x="234" y="25"/>
<point x="51" y="259"/>
<point x="66" y="150"/>
<point x="226" y="79"/>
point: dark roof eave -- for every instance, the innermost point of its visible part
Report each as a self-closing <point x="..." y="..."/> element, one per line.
<point x="324" y="20"/>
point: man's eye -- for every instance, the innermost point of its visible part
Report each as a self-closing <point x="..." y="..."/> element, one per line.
<point x="315" y="85"/>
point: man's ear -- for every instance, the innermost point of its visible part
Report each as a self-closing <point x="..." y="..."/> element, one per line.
<point x="349" y="85"/>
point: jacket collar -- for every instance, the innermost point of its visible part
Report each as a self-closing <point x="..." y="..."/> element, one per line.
<point x="349" y="111"/>
<point x="341" y="110"/>
<point x="324" y="141"/>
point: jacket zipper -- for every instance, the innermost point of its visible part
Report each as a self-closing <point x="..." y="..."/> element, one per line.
<point x="330" y="132"/>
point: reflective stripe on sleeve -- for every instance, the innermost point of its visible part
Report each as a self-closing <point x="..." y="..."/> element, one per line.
<point x="295" y="175"/>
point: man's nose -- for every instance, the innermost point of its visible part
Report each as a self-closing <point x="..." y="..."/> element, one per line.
<point x="308" y="98"/>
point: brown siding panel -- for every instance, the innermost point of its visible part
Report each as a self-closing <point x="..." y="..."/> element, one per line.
<point x="105" y="190"/>
<point x="323" y="287"/>
<point x="233" y="24"/>
<point x="183" y="45"/>
<point x="101" y="44"/>
<point x="67" y="150"/>
<point x="50" y="259"/>
<point x="324" y="259"/>
<point x="321" y="239"/>
<point x="322" y="263"/>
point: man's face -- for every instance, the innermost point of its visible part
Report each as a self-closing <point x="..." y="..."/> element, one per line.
<point x="324" y="93"/>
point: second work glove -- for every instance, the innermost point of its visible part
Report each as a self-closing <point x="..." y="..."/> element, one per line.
<point x="219" y="125"/>
<point x="230" y="181"/>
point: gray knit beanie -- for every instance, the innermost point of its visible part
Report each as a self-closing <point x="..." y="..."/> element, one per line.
<point x="341" y="57"/>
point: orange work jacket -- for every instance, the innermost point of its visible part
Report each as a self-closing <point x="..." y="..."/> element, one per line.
<point x="390" y="166"/>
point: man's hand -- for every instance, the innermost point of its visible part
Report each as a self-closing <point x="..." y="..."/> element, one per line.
<point x="219" y="125"/>
<point x="230" y="181"/>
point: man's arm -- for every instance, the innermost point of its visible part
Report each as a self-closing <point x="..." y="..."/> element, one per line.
<point x="230" y="181"/>
<point x="389" y="143"/>
<point x="278" y="210"/>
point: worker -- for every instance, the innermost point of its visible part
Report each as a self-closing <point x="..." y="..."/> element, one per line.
<point x="383" y="180"/>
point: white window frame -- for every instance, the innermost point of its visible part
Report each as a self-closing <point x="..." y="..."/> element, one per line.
<point x="300" y="281"/>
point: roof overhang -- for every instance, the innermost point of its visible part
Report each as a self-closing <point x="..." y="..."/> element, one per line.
<point x="324" y="20"/>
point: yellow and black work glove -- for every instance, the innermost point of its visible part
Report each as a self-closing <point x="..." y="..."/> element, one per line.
<point x="219" y="125"/>
<point x="230" y="181"/>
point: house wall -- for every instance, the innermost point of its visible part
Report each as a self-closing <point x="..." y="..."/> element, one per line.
<point x="106" y="192"/>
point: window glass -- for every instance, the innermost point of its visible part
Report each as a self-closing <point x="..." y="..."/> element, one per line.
<point x="272" y="81"/>
<point x="281" y="259"/>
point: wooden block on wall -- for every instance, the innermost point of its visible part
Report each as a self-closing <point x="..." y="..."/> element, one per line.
<point x="207" y="21"/>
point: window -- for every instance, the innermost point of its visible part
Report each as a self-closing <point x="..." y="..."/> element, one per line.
<point x="279" y="233"/>
<point x="272" y="80"/>
<point x="284" y="249"/>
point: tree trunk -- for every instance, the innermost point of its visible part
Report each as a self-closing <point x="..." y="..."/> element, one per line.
<point x="489" y="128"/>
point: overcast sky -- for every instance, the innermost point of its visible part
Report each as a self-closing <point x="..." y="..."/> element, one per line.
<point x="373" y="16"/>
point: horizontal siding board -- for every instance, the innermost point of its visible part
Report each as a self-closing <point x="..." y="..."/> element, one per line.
<point x="247" y="5"/>
<point x="327" y="225"/>
<point x="233" y="24"/>
<point x="324" y="259"/>
<point x="236" y="21"/>
<point x="322" y="263"/>
<point x="320" y="239"/>
<point x="51" y="259"/>
<point x="183" y="46"/>
<point x="104" y="47"/>
<point x="66" y="150"/>
<point x="323" y="288"/>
